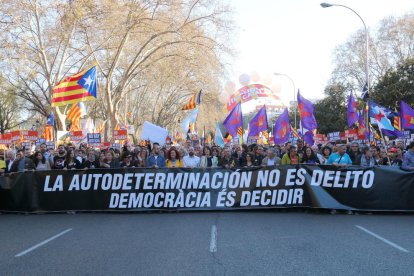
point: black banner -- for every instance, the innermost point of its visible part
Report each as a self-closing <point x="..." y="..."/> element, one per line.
<point x="353" y="188"/>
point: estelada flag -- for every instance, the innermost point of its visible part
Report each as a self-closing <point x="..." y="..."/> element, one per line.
<point x="80" y="87"/>
<point x="193" y="101"/>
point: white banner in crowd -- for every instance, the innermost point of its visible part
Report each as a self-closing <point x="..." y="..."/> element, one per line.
<point x="154" y="133"/>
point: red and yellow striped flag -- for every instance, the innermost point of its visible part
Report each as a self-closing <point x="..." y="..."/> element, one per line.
<point x="48" y="133"/>
<point x="294" y="132"/>
<point x="193" y="102"/>
<point x="74" y="115"/>
<point x="397" y="123"/>
<point x="80" y="87"/>
<point x="240" y="131"/>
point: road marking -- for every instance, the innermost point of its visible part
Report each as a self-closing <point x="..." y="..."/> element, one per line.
<point x="213" y="240"/>
<point x="383" y="239"/>
<point x="42" y="243"/>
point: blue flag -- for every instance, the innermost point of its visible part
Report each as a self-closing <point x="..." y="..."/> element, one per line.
<point x="191" y="118"/>
<point x="218" y="137"/>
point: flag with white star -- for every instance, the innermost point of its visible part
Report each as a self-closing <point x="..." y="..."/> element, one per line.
<point x="80" y="87"/>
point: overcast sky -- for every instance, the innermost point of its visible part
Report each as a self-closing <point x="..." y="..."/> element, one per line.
<point x="297" y="38"/>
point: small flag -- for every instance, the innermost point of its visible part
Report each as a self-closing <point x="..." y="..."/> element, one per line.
<point x="258" y="123"/>
<point x="48" y="133"/>
<point x="378" y="113"/>
<point x="193" y="101"/>
<point x="352" y="113"/>
<point x="218" y="137"/>
<point x="234" y="120"/>
<point x="80" y="87"/>
<point x="306" y="113"/>
<point x="282" y="128"/>
<point x="51" y="119"/>
<point x="365" y="94"/>
<point x="407" y="116"/>
<point x="191" y="118"/>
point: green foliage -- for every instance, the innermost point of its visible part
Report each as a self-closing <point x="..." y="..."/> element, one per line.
<point x="330" y="112"/>
<point x="395" y="85"/>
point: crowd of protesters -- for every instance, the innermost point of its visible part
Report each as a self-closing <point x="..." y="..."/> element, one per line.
<point x="193" y="155"/>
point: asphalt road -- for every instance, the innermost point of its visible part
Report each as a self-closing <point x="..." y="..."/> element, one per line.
<point x="207" y="243"/>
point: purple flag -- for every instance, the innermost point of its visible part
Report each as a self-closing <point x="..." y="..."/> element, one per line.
<point x="407" y="116"/>
<point x="308" y="137"/>
<point x="234" y="120"/>
<point x="392" y="133"/>
<point x="352" y="113"/>
<point x="258" y="123"/>
<point x="282" y="129"/>
<point x="306" y="113"/>
<point x="362" y="130"/>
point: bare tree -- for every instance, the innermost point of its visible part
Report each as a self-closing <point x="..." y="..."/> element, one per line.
<point x="390" y="43"/>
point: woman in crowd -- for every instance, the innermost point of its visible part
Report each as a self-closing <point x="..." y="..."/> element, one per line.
<point x="207" y="159"/>
<point x="91" y="162"/>
<point x="40" y="162"/>
<point x="173" y="159"/>
<point x="71" y="162"/>
<point x="127" y="161"/>
<point x="291" y="157"/>
<point x="110" y="161"/>
<point x="326" y="152"/>
<point x="366" y="158"/>
<point x="249" y="160"/>
<point x="376" y="154"/>
<point x="142" y="157"/>
<point x="310" y="157"/>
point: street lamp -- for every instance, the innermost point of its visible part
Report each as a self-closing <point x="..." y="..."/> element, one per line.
<point x="294" y="94"/>
<point x="327" y="5"/>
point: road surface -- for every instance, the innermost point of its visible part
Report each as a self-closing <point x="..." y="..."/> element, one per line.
<point x="207" y="243"/>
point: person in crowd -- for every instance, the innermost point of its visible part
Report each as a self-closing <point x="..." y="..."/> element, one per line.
<point x="227" y="161"/>
<point x="249" y="160"/>
<point x="365" y="158"/>
<point x="2" y="165"/>
<point x="283" y="150"/>
<point x="271" y="158"/>
<point x="340" y="157"/>
<point x="91" y="162"/>
<point x="10" y="157"/>
<point x="22" y="163"/>
<point x="353" y="152"/>
<point x="259" y="155"/>
<point x="215" y="151"/>
<point x="310" y="157"/>
<point x="173" y="159"/>
<point x="291" y="157"/>
<point x="395" y="160"/>
<point x="315" y="150"/>
<point x="408" y="158"/>
<point x="300" y="148"/>
<point x="142" y="157"/>
<point x="79" y="155"/>
<point x="110" y="161"/>
<point x="127" y="161"/>
<point x="40" y="162"/>
<point x="207" y="160"/>
<point x="376" y="153"/>
<point x="156" y="160"/>
<point x="59" y="159"/>
<point x="191" y="160"/>
<point x="46" y="153"/>
<point x="326" y="152"/>
<point x="71" y="162"/>
<point x="101" y="159"/>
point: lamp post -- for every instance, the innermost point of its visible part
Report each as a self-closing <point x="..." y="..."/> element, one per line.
<point x="294" y="94"/>
<point x="327" y="5"/>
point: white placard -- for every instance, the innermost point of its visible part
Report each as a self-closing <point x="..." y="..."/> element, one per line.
<point x="154" y="133"/>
